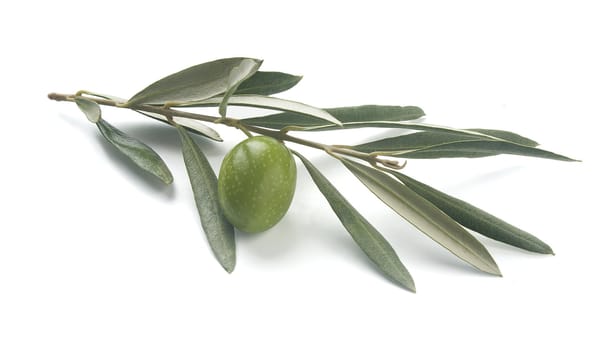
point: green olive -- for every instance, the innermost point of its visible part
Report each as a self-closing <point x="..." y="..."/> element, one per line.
<point x="256" y="183"/>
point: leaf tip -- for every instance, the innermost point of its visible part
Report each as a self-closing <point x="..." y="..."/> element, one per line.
<point x="542" y="248"/>
<point x="567" y="159"/>
<point x="229" y="267"/>
<point x="167" y="178"/>
<point x="227" y="259"/>
<point x="411" y="287"/>
<point x="90" y="108"/>
<point x="490" y="267"/>
<point x="405" y="282"/>
<point x="495" y="271"/>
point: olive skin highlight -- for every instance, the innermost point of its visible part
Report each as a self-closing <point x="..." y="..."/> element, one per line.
<point x="256" y="183"/>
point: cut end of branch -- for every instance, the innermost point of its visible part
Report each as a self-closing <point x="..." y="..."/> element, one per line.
<point x="57" y="97"/>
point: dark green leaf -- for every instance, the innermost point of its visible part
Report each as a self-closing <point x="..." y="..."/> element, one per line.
<point x="141" y="154"/>
<point x="347" y="115"/>
<point x="414" y="141"/>
<point x="270" y="103"/>
<point x="364" y="234"/>
<point x="425" y="127"/>
<point x="195" y="83"/>
<point x="425" y="216"/>
<point x="220" y="233"/>
<point x="437" y="145"/>
<point x="267" y="83"/>
<point x="476" y="219"/>
<point x="435" y="136"/>
<point x="89" y="108"/>
<point x="480" y="148"/>
<point x="507" y="136"/>
<point x="359" y="120"/>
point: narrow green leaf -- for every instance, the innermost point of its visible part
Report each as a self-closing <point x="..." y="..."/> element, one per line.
<point x="351" y="117"/>
<point x="89" y="108"/>
<point x="431" y="146"/>
<point x="190" y="124"/>
<point x="413" y="141"/>
<point x="141" y="154"/>
<point x="507" y="136"/>
<point x="267" y="83"/>
<point x="425" y="216"/>
<point x="195" y="83"/>
<point x="481" y="148"/>
<point x="104" y="96"/>
<point x="199" y="128"/>
<point x="236" y="76"/>
<point x="476" y="219"/>
<point x="434" y="137"/>
<point x="220" y="233"/>
<point x="363" y="233"/>
<point x="367" y="118"/>
<point x="269" y="103"/>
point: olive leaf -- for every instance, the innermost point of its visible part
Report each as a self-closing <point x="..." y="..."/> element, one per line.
<point x="104" y="96"/>
<point x="507" y="136"/>
<point x="198" y="128"/>
<point x="474" y="218"/>
<point x="140" y="153"/>
<point x="372" y="243"/>
<point x="430" y="146"/>
<point x="414" y="141"/>
<point x="196" y="83"/>
<point x="269" y="103"/>
<point x="425" y="216"/>
<point x="354" y="116"/>
<point x="391" y="117"/>
<point x="192" y="125"/>
<point x="235" y="77"/>
<point x="89" y="108"/>
<point x="267" y="83"/>
<point x="220" y="233"/>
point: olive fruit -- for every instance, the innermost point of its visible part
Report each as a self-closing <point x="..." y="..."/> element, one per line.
<point x="256" y="183"/>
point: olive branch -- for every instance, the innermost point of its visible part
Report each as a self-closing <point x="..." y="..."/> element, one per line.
<point x="238" y="81"/>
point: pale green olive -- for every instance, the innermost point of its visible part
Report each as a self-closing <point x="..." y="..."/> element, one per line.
<point x="256" y="183"/>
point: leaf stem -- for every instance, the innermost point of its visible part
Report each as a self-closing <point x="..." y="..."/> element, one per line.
<point x="232" y="122"/>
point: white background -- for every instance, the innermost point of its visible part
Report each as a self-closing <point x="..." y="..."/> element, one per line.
<point x="94" y="255"/>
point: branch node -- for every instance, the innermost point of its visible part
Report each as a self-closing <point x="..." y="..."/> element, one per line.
<point x="388" y="163"/>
